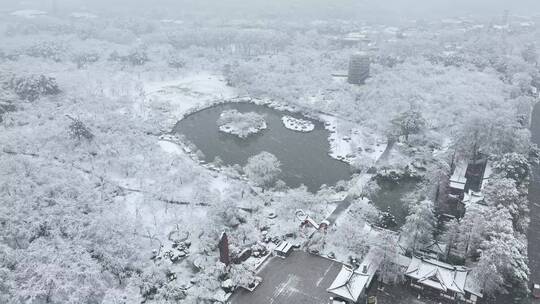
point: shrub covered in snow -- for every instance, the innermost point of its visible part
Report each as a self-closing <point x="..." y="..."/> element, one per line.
<point x="242" y="275"/>
<point x="48" y="50"/>
<point x="137" y="58"/>
<point x="241" y="124"/>
<point x="419" y="225"/>
<point x="134" y="58"/>
<point x="79" y="131"/>
<point x="21" y="28"/>
<point x="394" y="176"/>
<point x="176" y="61"/>
<point x="263" y="168"/>
<point x="84" y="59"/>
<point x="32" y="87"/>
<point x="407" y="123"/>
<point x="514" y="166"/>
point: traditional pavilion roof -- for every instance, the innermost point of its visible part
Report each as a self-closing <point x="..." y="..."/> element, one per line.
<point x="350" y="283"/>
<point x="438" y="275"/>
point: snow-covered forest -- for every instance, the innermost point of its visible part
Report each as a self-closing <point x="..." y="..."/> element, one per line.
<point x="102" y="201"/>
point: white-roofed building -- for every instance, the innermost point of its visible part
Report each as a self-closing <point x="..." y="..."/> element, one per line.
<point x="467" y="183"/>
<point x="436" y="250"/>
<point x="283" y="249"/>
<point x="350" y="285"/>
<point x="442" y="279"/>
<point x="458" y="179"/>
<point x="470" y="176"/>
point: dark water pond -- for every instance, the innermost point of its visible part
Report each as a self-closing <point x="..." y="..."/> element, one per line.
<point x="304" y="156"/>
<point x="392" y="198"/>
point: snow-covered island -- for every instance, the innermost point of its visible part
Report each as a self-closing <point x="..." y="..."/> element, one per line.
<point x="296" y="124"/>
<point x="241" y="124"/>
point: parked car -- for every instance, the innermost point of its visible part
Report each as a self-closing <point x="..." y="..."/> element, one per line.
<point x="251" y="286"/>
<point x="372" y="300"/>
<point x="536" y="291"/>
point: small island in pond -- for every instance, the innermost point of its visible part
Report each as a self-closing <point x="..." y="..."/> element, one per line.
<point x="241" y="124"/>
<point x="296" y="124"/>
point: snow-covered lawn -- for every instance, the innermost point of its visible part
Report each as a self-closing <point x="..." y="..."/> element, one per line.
<point x="171" y="147"/>
<point x="296" y="124"/>
<point x="186" y="94"/>
<point x="352" y="143"/>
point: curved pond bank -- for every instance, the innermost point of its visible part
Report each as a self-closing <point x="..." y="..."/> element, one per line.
<point x="303" y="155"/>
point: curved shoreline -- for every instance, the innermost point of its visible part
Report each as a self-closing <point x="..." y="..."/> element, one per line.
<point x="338" y="148"/>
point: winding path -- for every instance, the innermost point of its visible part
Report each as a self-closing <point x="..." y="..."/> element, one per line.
<point x="340" y="209"/>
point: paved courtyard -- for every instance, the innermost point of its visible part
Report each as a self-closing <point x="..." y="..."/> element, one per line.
<point x="301" y="278"/>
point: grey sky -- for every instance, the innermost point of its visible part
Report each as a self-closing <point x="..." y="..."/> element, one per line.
<point x="300" y="8"/>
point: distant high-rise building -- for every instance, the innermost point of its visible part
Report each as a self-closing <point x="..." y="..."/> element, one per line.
<point x="505" y="18"/>
<point x="358" y="68"/>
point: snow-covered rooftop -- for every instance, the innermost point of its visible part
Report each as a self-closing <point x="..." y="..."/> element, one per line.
<point x="438" y="275"/>
<point x="284" y="247"/>
<point x="458" y="179"/>
<point x="349" y="283"/>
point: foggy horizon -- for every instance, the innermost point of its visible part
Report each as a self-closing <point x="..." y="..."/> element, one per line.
<point x="388" y="10"/>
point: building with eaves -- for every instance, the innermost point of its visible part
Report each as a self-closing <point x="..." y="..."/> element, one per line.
<point x="442" y="279"/>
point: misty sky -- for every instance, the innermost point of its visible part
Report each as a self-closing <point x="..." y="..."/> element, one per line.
<point x="384" y="9"/>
